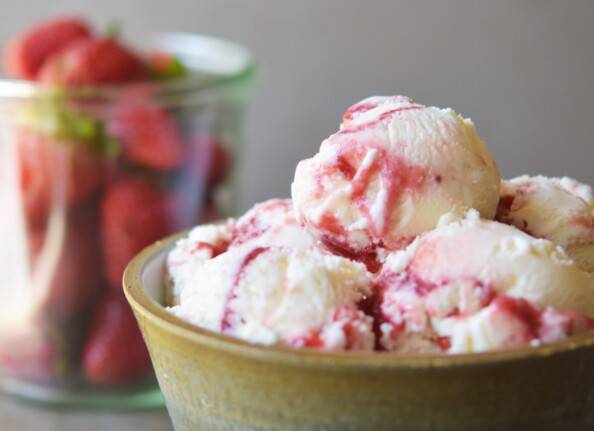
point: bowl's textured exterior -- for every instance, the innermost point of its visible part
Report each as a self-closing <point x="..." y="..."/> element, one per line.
<point x="213" y="382"/>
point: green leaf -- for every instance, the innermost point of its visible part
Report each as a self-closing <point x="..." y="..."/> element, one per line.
<point x="166" y="66"/>
<point x="52" y="116"/>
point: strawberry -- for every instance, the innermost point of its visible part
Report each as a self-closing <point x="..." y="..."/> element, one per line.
<point x="206" y="165"/>
<point x="97" y="61"/>
<point x="220" y="163"/>
<point x="134" y="214"/>
<point x="55" y="173"/>
<point x="26" y="54"/>
<point x="115" y="352"/>
<point x="210" y="213"/>
<point x="210" y="154"/>
<point x="148" y="135"/>
<point x="76" y="276"/>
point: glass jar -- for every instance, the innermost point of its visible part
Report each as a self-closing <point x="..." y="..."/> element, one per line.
<point x="88" y="178"/>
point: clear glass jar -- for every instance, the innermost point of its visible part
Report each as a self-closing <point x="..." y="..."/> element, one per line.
<point x="88" y="177"/>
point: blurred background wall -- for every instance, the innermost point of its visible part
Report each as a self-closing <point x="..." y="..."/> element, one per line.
<point x="522" y="69"/>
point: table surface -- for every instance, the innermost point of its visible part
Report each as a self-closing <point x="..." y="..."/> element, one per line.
<point x="20" y="416"/>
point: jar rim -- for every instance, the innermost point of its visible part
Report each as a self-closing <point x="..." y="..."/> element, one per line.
<point x="228" y="63"/>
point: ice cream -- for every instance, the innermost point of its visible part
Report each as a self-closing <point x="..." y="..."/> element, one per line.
<point x="389" y="244"/>
<point x="202" y="243"/>
<point x="269" y="224"/>
<point x="474" y="285"/>
<point x="280" y="295"/>
<point x="263" y="278"/>
<point x="558" y="209"/>
<point x="390" y="172"/>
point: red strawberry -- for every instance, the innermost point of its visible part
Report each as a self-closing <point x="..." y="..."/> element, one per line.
<point x="148" y="135"/>
<point x="220" y="163"/>
<point x="215" y="154"/>
<point x="26" y="54"/>
<point x="76" y="277"/>
<point x="93" y="62"/>
<point x="55" y="173"/>
<point x="210" y="213"/>
<point x="133" y="215"/>
<point x="115" y="351"/>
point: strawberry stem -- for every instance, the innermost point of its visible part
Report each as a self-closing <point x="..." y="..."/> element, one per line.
<point x="113" y="30"/>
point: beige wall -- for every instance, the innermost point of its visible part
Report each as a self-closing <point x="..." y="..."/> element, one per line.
<point x="522" y="69"/>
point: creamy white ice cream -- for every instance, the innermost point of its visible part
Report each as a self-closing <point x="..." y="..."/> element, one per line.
<point x="390" y="172"/>
<point x="475" y="285"/>
<point x="389" y="243"/>
<point x="270" y="223"/>
<point x="192" y="251"/>
<point x="279" y="295"/>
<point x="558" y="209"/>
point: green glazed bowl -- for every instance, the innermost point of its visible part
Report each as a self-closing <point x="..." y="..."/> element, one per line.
<point x="215" y="382"/>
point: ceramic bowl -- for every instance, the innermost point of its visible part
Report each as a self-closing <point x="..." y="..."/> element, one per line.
<point x="213" y="382"/>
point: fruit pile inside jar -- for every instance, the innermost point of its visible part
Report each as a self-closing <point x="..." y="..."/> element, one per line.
<point x="105" y="168"/>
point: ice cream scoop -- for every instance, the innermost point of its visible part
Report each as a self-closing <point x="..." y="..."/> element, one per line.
<point x="558" y="209"/>
<point x="278" y="295"/>
<point x="270" y="223"/>
<point x="474" y="285"/>
<point x="390" y="172"/>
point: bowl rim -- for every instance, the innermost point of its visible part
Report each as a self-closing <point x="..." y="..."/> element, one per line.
<point x="149" y="309"/>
